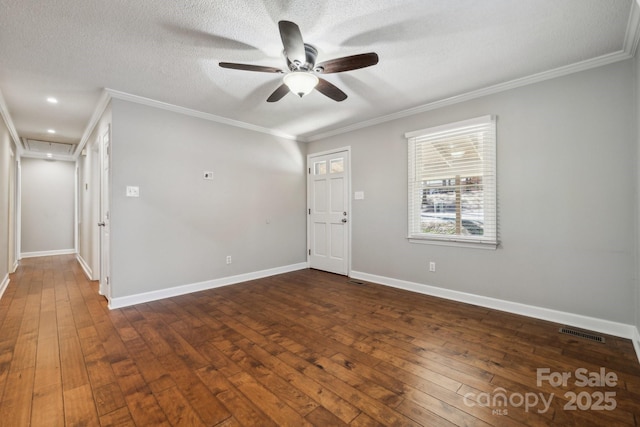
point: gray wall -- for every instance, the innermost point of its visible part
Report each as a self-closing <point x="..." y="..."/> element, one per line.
<point x="566" y="173"/>
<point x="47" y="205"/>
<point x="5" y="168"/>
<point x="182" y="227"/>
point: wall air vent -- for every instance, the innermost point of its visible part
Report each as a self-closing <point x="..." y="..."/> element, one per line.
<point x="580" y="334"/>
<point x="43" y="147"/>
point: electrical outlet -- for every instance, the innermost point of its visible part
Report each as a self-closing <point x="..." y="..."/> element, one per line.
<point x="432" y="266"/>
<point x="228" y="259"/>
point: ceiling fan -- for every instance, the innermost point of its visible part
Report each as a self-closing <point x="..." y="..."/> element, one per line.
<point x="302" y="76"/>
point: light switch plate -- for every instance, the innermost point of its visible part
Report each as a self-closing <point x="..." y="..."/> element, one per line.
<point x="359" y="195"/>
<point x="207" y="174"/>
<point x="133" y="191"/>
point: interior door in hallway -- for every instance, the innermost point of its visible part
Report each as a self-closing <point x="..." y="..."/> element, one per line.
<point x="328" y="210"/>
<point x="105" y="225"/>
<point x="12" y="249"/>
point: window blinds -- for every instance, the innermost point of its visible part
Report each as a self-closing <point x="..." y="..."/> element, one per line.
<point x="446" y="159"/>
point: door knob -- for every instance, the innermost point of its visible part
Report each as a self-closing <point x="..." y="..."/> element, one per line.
<point x="344" y="219"/>
<point x="101" y="224"/>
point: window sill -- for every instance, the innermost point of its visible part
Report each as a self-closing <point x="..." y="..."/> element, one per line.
<point x="454" y="241"/>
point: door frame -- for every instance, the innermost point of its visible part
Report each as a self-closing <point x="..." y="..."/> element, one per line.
<point x="18" y="213"/>
<point x="346" y="149"/>
<point x="105" y="211"/>
<point x="14" y="211"/>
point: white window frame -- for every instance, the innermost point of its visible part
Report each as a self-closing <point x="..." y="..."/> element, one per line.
<point x="489" y="240"/>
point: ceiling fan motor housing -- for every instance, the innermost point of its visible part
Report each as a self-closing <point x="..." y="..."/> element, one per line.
<point x="310" y="53"/>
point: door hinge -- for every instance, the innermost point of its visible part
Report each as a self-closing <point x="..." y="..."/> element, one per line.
<point x="309" y="251"/>
<point x="309" y="171"/>
<point x="107" y="280"/>
<point x="309" y="211"/>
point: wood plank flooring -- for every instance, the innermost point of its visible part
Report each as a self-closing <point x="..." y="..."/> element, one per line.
<point x="300" y="349"/>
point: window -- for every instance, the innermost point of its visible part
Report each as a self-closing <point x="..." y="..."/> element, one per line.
<point x="320" y="168"/>
<point x="452" y="183"/>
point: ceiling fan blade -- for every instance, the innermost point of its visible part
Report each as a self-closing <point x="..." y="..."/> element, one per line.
<point x="347" y="63"/>
<point x="330" y="90"/>
<point x="292" y="41"/>
<point x="249" y="67"/>
<point x="279" y="93"/>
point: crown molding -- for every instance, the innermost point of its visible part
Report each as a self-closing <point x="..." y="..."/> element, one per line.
<point x="632" y="35"/>
<point x="43" y="156"/>
<point x="4" y="112"/>
<point x="501" y="87"/>
<point x="195" y="113"/>
<point x="102" y="104"/>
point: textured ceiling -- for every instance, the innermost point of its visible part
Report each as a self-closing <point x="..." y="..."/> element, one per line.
<point x="169" y="50"/>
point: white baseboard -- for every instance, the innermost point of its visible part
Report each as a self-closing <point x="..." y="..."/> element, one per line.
<point x="4" y="285"/>
<point x="47" y="253"/>
<point x="15" y="266"/>
<point x="579" y="321"/>
<point x="119" y="302"/>
<point x="636" y="342"/>
<point x="85" y="267"/>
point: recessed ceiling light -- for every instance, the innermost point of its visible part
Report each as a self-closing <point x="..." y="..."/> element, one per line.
<point x="51" y="131"/>
<point x="52" y="100"/>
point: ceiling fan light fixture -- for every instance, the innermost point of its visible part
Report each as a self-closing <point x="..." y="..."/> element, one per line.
<point x="300" y="82"/>
<point x="300" y="77"/>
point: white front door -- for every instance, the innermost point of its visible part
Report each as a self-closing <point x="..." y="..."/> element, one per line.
<point x="104" y="224"/>
<point x="328" y="211"/>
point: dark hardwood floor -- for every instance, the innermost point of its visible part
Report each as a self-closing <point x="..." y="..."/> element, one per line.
<point x="298" y="349"/>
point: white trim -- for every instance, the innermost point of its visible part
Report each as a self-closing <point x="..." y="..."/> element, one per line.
<point x="489" y="118"/>
<point x="43" y="156"/>
<point x="577" y="320"/>
<point x="75" y="207"/>
<point x="636" y="342"/>
<point x="4" y="112"/>
<point x="199" y="114"/>
<point x="119" y="302"/>
<point x="632" y="35"/>
<point x="48" y="253"/>
<point x="456" y="242"/>
<point x="85" y="267"/>
<point x="4" y="285"/>
<point x="16" y="264"/>
<point x="105" y="150"/>
<point x="102" y="105"/>
<point x="18" y="219"/>
<point x="490" y="90"/>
